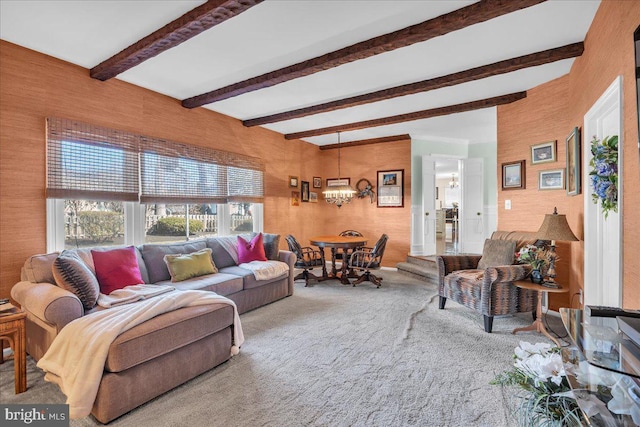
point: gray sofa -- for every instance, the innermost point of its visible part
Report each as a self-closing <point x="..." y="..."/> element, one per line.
<point x="169" y="349"/>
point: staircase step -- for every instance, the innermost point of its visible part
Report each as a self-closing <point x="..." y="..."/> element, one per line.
<point x="423" y="261"/>
<point x="411" y="269"/>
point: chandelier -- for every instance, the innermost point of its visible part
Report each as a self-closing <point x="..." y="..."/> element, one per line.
<point x="453" y="183"/>
<point x="339" y="193"/>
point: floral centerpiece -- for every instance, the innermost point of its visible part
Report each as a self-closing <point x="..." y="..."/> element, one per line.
<point x="604" y="173"/>
<point x="538" y="372"/>
<point x="537" y="258"/>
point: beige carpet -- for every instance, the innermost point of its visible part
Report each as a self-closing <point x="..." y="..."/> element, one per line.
<point x="334" y="355"/>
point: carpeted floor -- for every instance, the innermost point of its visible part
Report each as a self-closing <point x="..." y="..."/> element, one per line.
<point x="334" y="355"/>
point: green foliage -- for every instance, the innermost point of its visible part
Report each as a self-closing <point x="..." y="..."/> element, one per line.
<point x="604" y="173"/>
<point x="176" y="226"/>
<point x="101" y="226"/>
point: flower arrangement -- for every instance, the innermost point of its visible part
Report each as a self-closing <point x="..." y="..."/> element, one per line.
<point x="543" y="399"/>
<point x="604" y="173"/>
<point x="532" y="255"/>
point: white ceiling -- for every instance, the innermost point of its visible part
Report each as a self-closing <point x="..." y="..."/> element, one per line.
<point x="278" y="33"/>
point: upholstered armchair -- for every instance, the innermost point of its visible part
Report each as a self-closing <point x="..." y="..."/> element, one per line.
<point x="306" y="259"/>
<point x="488" y="290"/>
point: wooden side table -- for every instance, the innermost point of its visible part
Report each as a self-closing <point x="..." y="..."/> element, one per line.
<point x="12" y="329"/>
<point x="537" y="325"/>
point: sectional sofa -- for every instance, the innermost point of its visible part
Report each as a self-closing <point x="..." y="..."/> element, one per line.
<point x="167" y="350"/>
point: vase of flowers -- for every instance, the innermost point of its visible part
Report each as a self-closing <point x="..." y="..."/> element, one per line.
<point x="536" y="257"/>
<point x="604" y="173"/>
<point x="538" y="375"/>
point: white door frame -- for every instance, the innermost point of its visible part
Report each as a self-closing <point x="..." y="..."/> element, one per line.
<point x="603" y="237"/>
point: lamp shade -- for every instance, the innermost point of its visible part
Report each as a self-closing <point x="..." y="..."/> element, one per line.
<point x="555" y="227"/>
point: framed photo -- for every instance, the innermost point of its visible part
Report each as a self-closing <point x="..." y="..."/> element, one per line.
<point x="304" y="189"/>
<point x="551" y="179"/>
<point x="338" y="181"/>
<point x="391" y="188"/>
<point x="513" y="176"/>
<point x="313" y="197"/>
<point x="293" y="181"/>
<point x="543" y="153"/>
<point x="573" y="162"/>
<point x="317" y="182"/>
<point x="295" y="198"/>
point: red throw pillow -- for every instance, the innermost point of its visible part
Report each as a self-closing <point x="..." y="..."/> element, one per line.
<point x="116" y="268"/>
<point x="251" y="251"/>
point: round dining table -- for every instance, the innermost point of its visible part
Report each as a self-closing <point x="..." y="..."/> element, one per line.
<point x="346" y="243"/>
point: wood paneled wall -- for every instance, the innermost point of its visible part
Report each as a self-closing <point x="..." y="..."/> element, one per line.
<point x="549" y="112"/>
<point x="34" y="86"/>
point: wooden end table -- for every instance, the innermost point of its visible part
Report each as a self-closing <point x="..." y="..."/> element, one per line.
<point x="537" y="325"/>
<point x="12" y="329"/>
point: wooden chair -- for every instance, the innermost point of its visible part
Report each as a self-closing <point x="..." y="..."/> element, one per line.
<point x="306" y="258"/>
<point x="341" y="255"/>
<point x="367" y="259"/>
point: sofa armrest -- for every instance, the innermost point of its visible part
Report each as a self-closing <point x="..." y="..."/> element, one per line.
<point x="450" y="263"/>
<point x="48" y="302"/>
<point x="289" y="258"/>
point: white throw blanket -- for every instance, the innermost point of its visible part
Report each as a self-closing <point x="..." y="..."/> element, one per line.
<point x="132" y="293"/>
<point x="266" y="270"/>
<point x="75" y="361"/>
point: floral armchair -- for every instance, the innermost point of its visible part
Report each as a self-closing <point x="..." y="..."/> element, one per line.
<point x="489" y="291"/>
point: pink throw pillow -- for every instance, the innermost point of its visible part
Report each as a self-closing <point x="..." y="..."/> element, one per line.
<point x="251" y="251"/>
<point x="116" y="269"/>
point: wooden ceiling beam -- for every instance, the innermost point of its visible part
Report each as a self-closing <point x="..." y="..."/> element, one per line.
<point x="416" y="115"/>
<point x="502" y="67"/>
<point x="189" y="25"/>
<point x="475" y="13"/>
<point x="380" y="140"/>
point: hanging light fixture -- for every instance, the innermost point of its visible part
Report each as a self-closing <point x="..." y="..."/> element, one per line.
<point x="340" y="193"/>
<point x="453" y="183"/>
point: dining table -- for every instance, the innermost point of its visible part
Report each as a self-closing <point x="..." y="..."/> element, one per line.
<point x="346" y="243"/>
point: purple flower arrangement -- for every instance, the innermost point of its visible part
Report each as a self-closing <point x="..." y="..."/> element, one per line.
<point x="604" y="173"/>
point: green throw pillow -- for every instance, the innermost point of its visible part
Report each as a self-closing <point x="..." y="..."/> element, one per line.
<point x="185" y="266"/>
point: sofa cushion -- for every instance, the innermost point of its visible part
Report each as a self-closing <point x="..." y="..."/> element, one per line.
<point x="116" y="269"/>
<point x="185" y="266"/>
<point x="271" y="243"/>
<point x="220" y="283"/>
<point x="87" y="257"/>
<point x="38" y="268"/>
<point x="153" y="255"/>
<point x="522" y="238"/>
<point x="248" y="278"/>
<point x="251" y="250"/>
<point x="165" y="333"/>
<point x="220" y="256"/>
<point x="497" y="252"/>
<point x="72" y="274"/>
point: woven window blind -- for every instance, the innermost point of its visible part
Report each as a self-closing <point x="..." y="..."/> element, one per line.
<point x="87" y="161"/>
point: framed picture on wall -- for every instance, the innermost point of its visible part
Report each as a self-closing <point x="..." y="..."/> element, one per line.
<point x="313" y="197"/>
<point x="513" y="175"/>
<point x="304" y="189"/>
<point x="317" y="182"/>
<point x="551" y="179"/>
<point x="543" y="153"/>
<point x="573" y="162"/>
<point x="293" y="181"/>
<point x="391" y="188"/>
<point x="295" y="198"/>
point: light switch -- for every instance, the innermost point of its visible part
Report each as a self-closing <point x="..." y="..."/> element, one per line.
<point x="507" y="204"/>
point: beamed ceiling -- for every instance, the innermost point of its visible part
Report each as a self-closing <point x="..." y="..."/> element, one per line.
<point x="375" y="70"/>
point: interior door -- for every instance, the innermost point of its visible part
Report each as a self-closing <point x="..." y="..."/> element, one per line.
<point x="602" y="237"/>
<point x="471" y="217"/>
<point x="429" y="205"/>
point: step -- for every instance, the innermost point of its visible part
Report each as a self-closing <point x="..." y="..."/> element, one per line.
<point x="423" y="261"/>
<point x="417" y="271"/>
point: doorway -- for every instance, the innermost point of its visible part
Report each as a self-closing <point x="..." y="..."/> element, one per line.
<point x="447" y="201"/>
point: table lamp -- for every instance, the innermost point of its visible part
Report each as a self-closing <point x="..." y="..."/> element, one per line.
<point x="555" y="227"/>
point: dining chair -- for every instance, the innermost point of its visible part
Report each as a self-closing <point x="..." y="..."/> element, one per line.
<point x="367" y="259"/>
<point x="341" y="255"/>
<point x="306" y="258"/>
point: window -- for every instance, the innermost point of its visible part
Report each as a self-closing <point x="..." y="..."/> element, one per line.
<point x="109" y="187"/>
